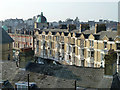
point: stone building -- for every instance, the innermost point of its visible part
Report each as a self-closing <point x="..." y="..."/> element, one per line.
<point x="22" y="40"/>
<point x="81" y="49"/>
<point x="6" y="44"/>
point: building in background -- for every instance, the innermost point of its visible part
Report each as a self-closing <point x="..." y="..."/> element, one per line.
<point x="41" y="22"/>
<point x="14" y="24"/>
<point x="6" y="43"/>
<point x="23" y="39"/>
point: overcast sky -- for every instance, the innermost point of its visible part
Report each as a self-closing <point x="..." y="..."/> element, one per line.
<point x="55" y="10"/>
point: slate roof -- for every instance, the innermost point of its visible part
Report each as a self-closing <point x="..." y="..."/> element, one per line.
<point x="53" y="33"/>
<point x="66" y="33"/>
<point x="60" y="33"/>
<point x="46" y="32"/>
<point x="77" y="35"/>
<point x="40" y="32"/>
<point x="86" y="36"/>
<point x="5" y="38"/>
<point x="89" y="32"/>
<point x="97" y="37"/>
<point x="110" y="34"/>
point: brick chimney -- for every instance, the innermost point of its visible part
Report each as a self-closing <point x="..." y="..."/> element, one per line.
<point x="96" y="27"/>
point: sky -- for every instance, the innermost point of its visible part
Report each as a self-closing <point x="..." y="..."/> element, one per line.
<point x="55" y="10"/>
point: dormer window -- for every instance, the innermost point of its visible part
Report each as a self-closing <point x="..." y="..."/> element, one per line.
<point x="57" y="38"/>
<point x="110" y="46"/>
<point x="90" y="43"/>
<point x="118" y="46"/>
<point x="43" y="36"/>
<point x="105" y="44"/>
<point x="50" y="37"/>
<point x="62" y="38"/>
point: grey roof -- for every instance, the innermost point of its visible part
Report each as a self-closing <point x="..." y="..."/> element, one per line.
<point x="66" y="33"/>
<point x="53" y="33"/>
<point x="86" y="36"/>
<point x="40" y="32"/>
<point x="78" y="34"/>
<point x="97" y="37"/>
<point x="46" y="32"/>
<point x="110" y="34"/>
<point x="56" y="30"/>
<point x="60" y="33"/>
<point x="89" y="32"/>
<point x="5" y="38"/>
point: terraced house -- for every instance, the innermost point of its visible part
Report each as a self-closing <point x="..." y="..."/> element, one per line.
<point x="81" y="49"/>
<point x="23" y="40"/>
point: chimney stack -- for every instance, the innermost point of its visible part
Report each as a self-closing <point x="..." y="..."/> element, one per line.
<point x="80" y="28"/>
<point x="96" y="27"/>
